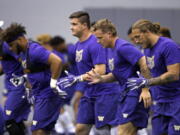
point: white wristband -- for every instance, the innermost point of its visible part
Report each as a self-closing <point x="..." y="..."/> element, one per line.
<point x="53" y="83"/>
<point x="80" y="78"/>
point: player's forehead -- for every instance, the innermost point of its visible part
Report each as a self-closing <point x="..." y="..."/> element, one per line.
<point x="99" y="32"/>
<point x="74" y="20"/>
<point x="135" y="32"/>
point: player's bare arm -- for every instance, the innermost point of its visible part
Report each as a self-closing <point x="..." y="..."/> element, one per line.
<point x="145" y="94"/>
<point x="171" y="75"/>
<point x="95" y="77"/>
<point x="55" y="65"/>
<point x="144" y="68"/>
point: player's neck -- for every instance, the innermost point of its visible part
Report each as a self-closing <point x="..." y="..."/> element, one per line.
<point x="85" y="35"/>
<point x="113" y="43"/>
<point x="26" y="45"/>
<point x="154" y="39"/>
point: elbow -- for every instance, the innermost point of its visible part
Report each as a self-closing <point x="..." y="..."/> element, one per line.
<point x="176" y="77"/>
<point x="101" y="69"/>
<point x="102" y="72"/>
<point x="173" y="77"/>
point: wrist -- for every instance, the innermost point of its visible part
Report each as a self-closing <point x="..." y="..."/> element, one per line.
<point x="53" y="83"/>
<point x="145" y="89"/>
<point x="80" y="78"/>
<point x="148" y="83"/>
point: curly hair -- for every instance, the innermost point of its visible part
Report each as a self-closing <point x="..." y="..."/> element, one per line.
<point x="12" y="32"/>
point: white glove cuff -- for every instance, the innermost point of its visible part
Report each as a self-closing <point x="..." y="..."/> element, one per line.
<point x="80" y="78"/>
<point x="53" y="83"/>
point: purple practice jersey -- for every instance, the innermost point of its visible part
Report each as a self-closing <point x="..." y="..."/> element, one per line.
<point x="10" y="65"/>
<point x="68" y="57"/>
<point x="71" y="53"/>
<point x="122" y="61"/>
<point x="88" y="54"/>
<point x="71" y="59"/>
<point x="165" y="52"/>
<point x="36" y="60"/>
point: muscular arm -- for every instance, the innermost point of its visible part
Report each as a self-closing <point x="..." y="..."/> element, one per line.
<point x="55" y="65"/>
<point x="144" y="68"/>
<point x="145" y="94"/>
<point x="99" y="68"/>
<point x="99" y="73"/>
<point x="108" y="78"/>
<point x="171" y="75"/>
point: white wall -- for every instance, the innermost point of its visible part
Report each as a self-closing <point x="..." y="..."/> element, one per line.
<point x="51" y="16"/>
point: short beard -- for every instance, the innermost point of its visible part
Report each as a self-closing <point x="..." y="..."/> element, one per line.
<point x="19" y="50"/>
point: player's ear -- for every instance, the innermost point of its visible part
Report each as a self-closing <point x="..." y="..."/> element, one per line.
<point x="85" y="24"/>
<point x="109" y="34"/>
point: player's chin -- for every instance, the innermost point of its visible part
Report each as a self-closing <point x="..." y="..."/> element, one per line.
<point x="144" y="46"/>
<point x="74" y="34"/>
<point x="104" y="46"/>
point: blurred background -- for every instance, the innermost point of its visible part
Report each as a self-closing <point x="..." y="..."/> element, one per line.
<point x="51" y="16"/>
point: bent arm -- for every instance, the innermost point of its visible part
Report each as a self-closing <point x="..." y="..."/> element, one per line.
<point x="55" y="65"/>
<point x="144" y="68"/>
<point x="108" y="78"/>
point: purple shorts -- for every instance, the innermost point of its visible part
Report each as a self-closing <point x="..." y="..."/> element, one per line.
<point x="16" y="107"/>
<point x="130" y="110"/>
<point x="46" y="112"/>
<point x="166" y="118"/>
<point x="100" y="110"/>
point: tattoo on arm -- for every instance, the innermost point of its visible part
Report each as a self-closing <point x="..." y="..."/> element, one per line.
<point x="144" y="68"/>
<point x="171" y="75"/>
<point x="163" y="79"/>
<point x="145" y="72"/>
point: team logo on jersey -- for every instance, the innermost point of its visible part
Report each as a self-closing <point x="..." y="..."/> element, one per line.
<point x="34" y="122"/>
<point x="111" y="64"/>
<point x="177" y="127"/>
<point x="8" y="112"/>
<point x="24" y="64"/>
<point x="79" y="55"/>
<point x="100" y="118"/>
<point x="150" y="62"/>
<point x="125" y="115"/>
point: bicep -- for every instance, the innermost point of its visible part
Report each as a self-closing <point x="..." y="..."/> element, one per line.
<point x="53" y="58"/>
<point x="142" y="62"/>
<point x="174" y="68"/>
